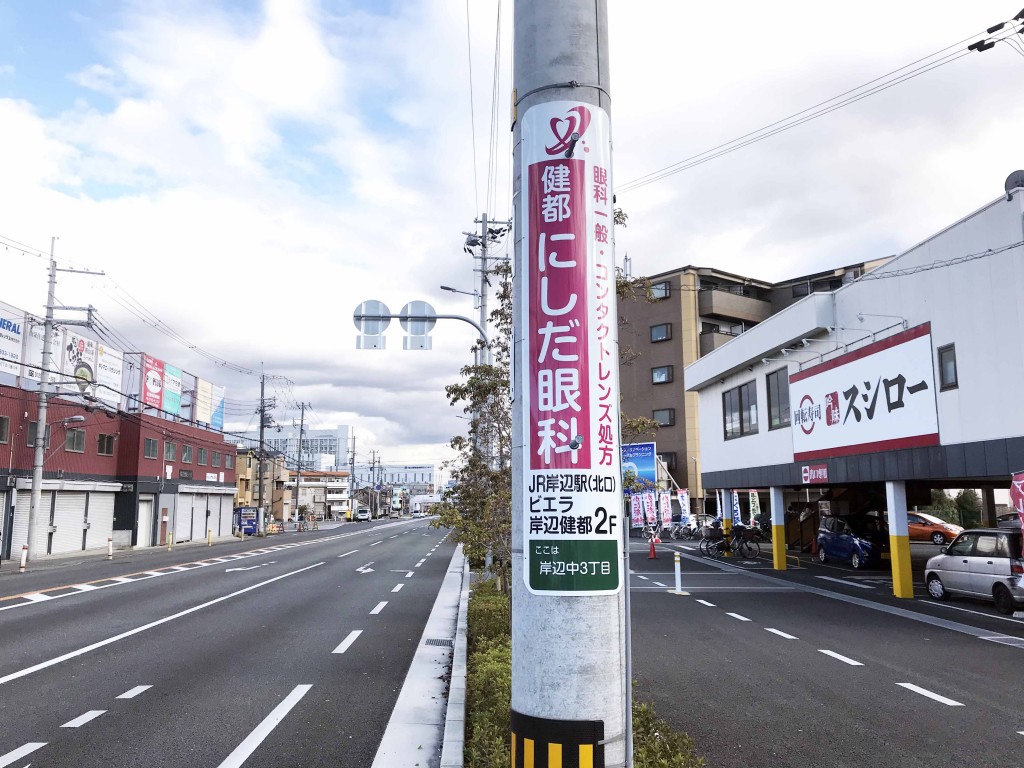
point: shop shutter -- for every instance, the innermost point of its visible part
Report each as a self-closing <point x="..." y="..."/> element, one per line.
<point x="101" y="519"/>
<point x="144" y="524"/>
<point x="227" y="510"/>
<point x="68" y="519"/>
<point x="183" y="517"/>
<point x="199" y="516"/>
<point x="19" y="531"/>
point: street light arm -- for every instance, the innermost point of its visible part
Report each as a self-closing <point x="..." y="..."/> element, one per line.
<point x="427" y="318"/>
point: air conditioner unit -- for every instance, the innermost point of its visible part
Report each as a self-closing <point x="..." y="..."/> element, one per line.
<point x="11" y="481"/>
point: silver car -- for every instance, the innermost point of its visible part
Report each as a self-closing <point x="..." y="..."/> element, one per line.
<point x="982" y="562"/>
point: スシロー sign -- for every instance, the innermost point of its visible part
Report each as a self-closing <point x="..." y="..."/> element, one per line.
<point x="571" y="492"/>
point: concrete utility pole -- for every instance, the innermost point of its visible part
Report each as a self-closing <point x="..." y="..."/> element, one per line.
<point x="352" y="478"/>
<point x="263" y="424"/>
<point x="570" y="663"/>
<point x="298" y="471"/>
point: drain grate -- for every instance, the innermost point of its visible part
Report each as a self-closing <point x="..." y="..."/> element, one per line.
<point x="438" y="641"/>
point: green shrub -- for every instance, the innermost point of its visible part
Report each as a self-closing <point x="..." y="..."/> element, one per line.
<point x="656" y="745"/>
<point x="490" y="615"/>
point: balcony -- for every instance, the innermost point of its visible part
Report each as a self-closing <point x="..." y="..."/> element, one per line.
<point x="712" y="340"/>
<point x="719" y="303"/>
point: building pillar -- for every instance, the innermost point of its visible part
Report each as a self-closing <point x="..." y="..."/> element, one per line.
<point x="778" y="528"/>
<point x="899" y="539"/>
<point x="988" y="507"/>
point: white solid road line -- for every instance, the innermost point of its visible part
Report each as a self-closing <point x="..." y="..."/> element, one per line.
<point x="377" y="542"/>
<point x="347" y="642"/>
<point x="930" y="695"/>
<point x="844" y="659"/>
<point x="86" y="649"/>
<point x="705" y="602"/>
<point x="737" y="616"/>
<point x="780" y="633"/>
<point x="349" y="553"/>
<point x="847" y="583"/>
<point x="20" y="752"/>
<point x="261" y="731"/>
<point x="134" y="692"/>
<point x="379" y="608"/>
<point x="81" y="720"/>
<point x="397" y="587"/>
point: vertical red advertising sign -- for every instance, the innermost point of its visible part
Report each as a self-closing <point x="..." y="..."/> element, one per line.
<point x="152" y="381"/>
<point x="572" y="497"/>
<point x="1017" y="498"/>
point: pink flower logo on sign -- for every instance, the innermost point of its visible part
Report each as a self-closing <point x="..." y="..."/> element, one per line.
<point x="564" y="127"/>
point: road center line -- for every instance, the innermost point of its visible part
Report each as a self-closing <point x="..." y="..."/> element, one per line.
<point x="134" y="692"/>
<point x="703" y="602"/>
<point x="409" y="575"/>
<point x="81" y="720"/>
<point x="379" y="607"/>
<point x="261" y="731"/>
<point x="398" y="587"/>
<point x="349" y="553"/>
<point x="737" y="616"/>
<point x="419" y="563"/>
<point x="930" y="695"/>
<point x="844" y="659"/>
<point x="780" y="633"/>
<point x="347" y="642"/>
<point x="86" y="649"/>
<point x="377" y="542"/>
<point x="20" y="752"/>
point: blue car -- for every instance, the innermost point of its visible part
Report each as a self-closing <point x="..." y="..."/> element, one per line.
<point x="848" y="540"/>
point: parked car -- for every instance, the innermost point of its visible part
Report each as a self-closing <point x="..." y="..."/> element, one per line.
<point x="1010" y="520"/>
<point x="981" y="562"/>
<point x="363" y="514"/>
<point x="849" y="539"/>
<point x="922" y="527"/>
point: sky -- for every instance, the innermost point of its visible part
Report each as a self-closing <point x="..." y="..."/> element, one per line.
<point x="246" y="173"/>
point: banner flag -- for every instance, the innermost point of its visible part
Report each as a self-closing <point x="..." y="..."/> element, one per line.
<point x="649" y="510"/>
<point x="665" y="501"/>
<point x="736" y="519"/>
<point x="1017" y="498"/>
<point x="684" y="506"/>
<point x="636" y="511"/>
<point x="755" y="507"/>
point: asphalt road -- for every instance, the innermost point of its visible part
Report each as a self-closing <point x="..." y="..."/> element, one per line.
<point x="289" y="651"/>
<point x="800" y="671"/>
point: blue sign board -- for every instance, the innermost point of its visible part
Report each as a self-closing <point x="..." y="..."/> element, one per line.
<point x="247" y="520"/>
<point x="640" y="458"/>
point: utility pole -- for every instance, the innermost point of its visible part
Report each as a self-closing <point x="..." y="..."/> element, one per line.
<point x="39" y="454"/>
<point x="352" y="478"/>
<point x="298" y="471"/>
<point x="263" y="450"/>
<point x="570" y="647"/>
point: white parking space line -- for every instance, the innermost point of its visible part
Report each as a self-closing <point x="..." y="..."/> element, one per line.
<point x="261" y="731"/>
<point x="347" y="642"/>
<point x="429" y="553"/>
<point x="780" y="633"/>
<point x="737" y="616"/>
<point x="379" y="607"/>
<point x="930" y="695"/>
<point x="20" y="752"/>
<point x="847" y="583"/>
<point x="705" y="602"/>
<point x="349" y="553"/>
<point x="657" y="584"/>
<point x="83" y="719"/>
<point x="642" y="577"/>
<point x="840" y="657"/>
<point x="131" y="694"/>
<point x="683" y="546"/>
<point x="37" y="597"/>
<point x="398" y="587"/>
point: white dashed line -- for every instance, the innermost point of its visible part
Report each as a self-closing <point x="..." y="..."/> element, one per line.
<point x="37" y="597"/>
<point x="261" y="731"/>
<point x="409" y="575"/>
<point x="934" y="696"/>
<point x="349" y="553"/>
<point x="398" y="587"/>
<point x="20" y="752"/>
<point x="642" y="577"/>
<point x="840" y="657"/>
<point x="421" y="562"/>
<point x="780" y="633"/>
<point x="393" y="537"/>
<point x="134" y="691"/>
<point x="377" y="542"/>
<point x="657" y="584"/>
<point x="83" y="719"/>
<point x="737" y="616"/>
<point x="85" y="587"/>
<point x="347" y="642"/>
<point x="705" y="602"/>
<point x="379" y="608"/>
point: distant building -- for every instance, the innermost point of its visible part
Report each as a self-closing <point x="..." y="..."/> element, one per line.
<point x="323" y="450"/>
<point x="415" y="478"/>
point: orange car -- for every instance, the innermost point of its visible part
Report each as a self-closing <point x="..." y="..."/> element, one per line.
<point x="922" y="527"/>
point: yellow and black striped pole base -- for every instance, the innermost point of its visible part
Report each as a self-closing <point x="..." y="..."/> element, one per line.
<point x="541" y="743"/>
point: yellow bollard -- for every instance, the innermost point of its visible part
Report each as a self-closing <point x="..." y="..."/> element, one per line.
<point x="170" y="542"/>
<point x="209" y="537"/>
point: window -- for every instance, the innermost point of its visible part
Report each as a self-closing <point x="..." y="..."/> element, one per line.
<point x="149" y="448"/>
<point x="105" y="445"/>
<point x="5" y="429"/>
<point x="662" y="374"/>
<point x="202" y="457"/>
<point x="666" y="417"/>
<point x="32" y="428"/>
<point x="915" y="520"/>
<point x="963" y="545"/>
<point x="800" y="290"/>
<point x="186" y="454"/>
<point x="739" y="410"/>
<point x="74" y="440"/>
<point x="216" y="460"/>
<point x="660" y="290"/>
<point x="947" y="367"/>
<point x="661" y="332"/>
<point x="778" y="398"/>
<point x="986" y="545"/>
<point x="669" y="460"/>
<point x="170" y="451"/>
<point x="229" y="461"/>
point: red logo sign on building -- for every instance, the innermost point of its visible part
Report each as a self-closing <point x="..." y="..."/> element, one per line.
<point x="814" y="473"/>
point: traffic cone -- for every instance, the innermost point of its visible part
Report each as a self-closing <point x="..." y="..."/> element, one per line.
<point x="653" y="555"/>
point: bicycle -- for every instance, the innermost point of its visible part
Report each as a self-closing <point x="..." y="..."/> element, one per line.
<point x="741" y="543"/>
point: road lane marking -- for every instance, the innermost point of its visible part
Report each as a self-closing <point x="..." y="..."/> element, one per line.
<point x="409" y="575"/>
<point x="642" y="577"/>
<point x="393" y="537"/>
<point x="847" y="583"/>
<point x="261" y="731"/>
<point x="930" y="695"/>
<point x="81" y="720"/>
<point x="657" y="584"/>
<point x="844" y="659"/>
<point x="683" y="546"/>
<point x="347" y="642"/>
<point x="379" y="608"/>
<point x="84" y="587"/>
<point x="377" y="542"/>
<point x="349" y="553"/>
<point x="20" y="752"/>
<point x="134" y="692"/>
<point x="38" y="597"/>
<point x="705" y="602"/>
<point x="737" y="616"/>
<point x="421" y="562"/>
<point x="102" y="643"/>
<point x="780" y="633"/>
<point x="398" y="587"/>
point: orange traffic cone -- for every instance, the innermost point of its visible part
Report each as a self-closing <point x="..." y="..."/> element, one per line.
<point x="653" y="555"/>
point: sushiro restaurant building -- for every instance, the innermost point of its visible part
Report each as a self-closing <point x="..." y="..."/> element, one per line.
<point x="866" y="398"/>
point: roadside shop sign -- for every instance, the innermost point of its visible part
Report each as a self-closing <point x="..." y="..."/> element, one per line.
<point x="1017" y="499"/>
<point x="640" y="458"/>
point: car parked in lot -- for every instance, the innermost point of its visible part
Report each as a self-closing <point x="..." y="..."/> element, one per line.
<point x="922" y="527"/>
<point x="1010" y="520"/>
<point x="856" y="540"/>
<point x="984" y="563"/>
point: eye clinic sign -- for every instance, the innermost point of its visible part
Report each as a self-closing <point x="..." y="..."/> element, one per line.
<point x="877" y="398"/>
<point x="571" y="493"/>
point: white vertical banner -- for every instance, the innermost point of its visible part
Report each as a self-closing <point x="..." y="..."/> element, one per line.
<point x="650" y="511"/>
<point x="737" y="519"/>
<point x="684" y="506"/>
<point x="636" y="509"/>
<point x="755" y="506"/>
<point x="665" y="506"/>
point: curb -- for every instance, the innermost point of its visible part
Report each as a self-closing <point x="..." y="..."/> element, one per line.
<point x="453" y="747"/>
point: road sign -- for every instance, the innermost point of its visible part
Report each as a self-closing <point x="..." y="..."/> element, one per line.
<point x="417" y="331"/>
<point x="371" y="320"/>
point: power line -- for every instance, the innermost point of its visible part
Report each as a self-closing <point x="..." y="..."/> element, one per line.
<point x="472" y="111"/>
